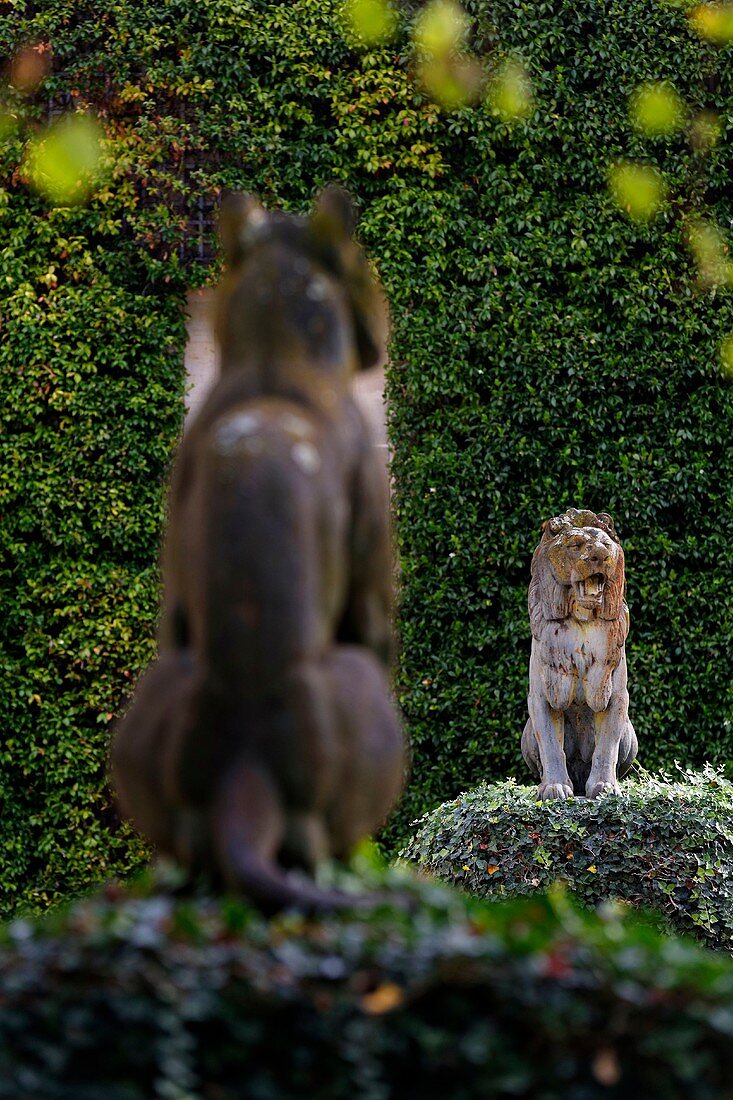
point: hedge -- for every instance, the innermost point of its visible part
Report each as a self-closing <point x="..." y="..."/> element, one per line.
<point x="546" y="352"/>
<point x="143" y="993"/>
<point x="91" y="406"/>
<point x="665" y="843"/>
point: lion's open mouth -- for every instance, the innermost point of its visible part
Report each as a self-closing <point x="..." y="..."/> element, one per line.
<point x="589" y="590"/>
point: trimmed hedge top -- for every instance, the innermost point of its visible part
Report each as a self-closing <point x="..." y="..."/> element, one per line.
<point x="662" y="844"/>
<point x="138" y="994"/>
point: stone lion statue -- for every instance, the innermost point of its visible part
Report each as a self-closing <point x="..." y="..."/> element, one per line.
<point x="578" y="738"/>
<point x="264" y="739"/>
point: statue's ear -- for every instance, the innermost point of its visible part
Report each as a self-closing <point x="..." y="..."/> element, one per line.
<point x="371" y="315"/>
<point x="332" y="226"/>
<point x="334" y="218"/>
<point x="605" y="518"/>
<point x="240" y="216"/>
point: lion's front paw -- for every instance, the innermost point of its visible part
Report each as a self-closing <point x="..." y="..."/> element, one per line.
<point x="595" y="789"/>
<point x="547" y="791"/>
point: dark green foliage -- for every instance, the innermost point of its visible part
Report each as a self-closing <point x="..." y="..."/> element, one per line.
<point x="135" y="995"/>
<point x="91" y="404"/>
<point x="661" y="844"/>
<point x="546" y="353"/>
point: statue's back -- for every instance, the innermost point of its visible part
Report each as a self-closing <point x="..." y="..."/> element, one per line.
<point x="264" y="736"/>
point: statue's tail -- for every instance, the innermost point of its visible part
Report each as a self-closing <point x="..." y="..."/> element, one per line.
<point x="248" y="829"/>
<point x="273" y="889"/>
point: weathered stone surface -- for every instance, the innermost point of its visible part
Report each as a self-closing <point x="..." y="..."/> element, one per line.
<point x="264" y="737"/>
<point x="578" y="738"/>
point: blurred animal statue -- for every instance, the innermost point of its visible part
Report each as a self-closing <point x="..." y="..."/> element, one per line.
<point x="578" y="739"/>
<point x="264" y="739"/>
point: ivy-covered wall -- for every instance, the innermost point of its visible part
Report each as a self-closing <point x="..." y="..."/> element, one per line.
<point x="546" y="352"/>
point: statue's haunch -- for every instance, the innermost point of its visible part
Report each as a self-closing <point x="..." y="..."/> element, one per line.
<point x="264" y="737"/>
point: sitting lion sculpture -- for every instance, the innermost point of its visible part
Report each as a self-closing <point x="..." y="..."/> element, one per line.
<point x="578" y="738"/>
<point x="264" y="740"/>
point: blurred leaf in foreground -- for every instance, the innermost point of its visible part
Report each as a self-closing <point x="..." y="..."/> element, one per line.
<point x="726" y="355"/>
<point x="441" y="28"/>
<point x="510" y="92"/>
<point x="710" y="253"/>
<point x="656" y="109"/>
<point x="705" y="131"/>
<point x="446" y="70"/>
<point x="63" y="163"/>
<point x="30" y="66"/>
<point x="369" y="22"/>
<point x="452" y="82"/>
<point x="638" y="189"/>
<point x="713" y="22"/>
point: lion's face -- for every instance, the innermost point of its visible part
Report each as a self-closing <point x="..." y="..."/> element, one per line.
<point x="586" y="559"/>
<point x="578" y="568"/>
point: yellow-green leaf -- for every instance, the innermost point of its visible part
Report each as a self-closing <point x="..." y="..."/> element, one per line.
<point x="656" y="109"/>
<point x="510" y="92"/>
<point x="710" y="253"/>
<point x="369" y="22"/>
<point x="452" y="82"/>
<point x="441" y="28"/>
<point x="713" y="22"/>
<point x="64" y="162"/>
<point x="638" y="189"/>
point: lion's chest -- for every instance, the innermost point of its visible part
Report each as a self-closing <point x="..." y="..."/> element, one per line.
<point x="574" y="664"/>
